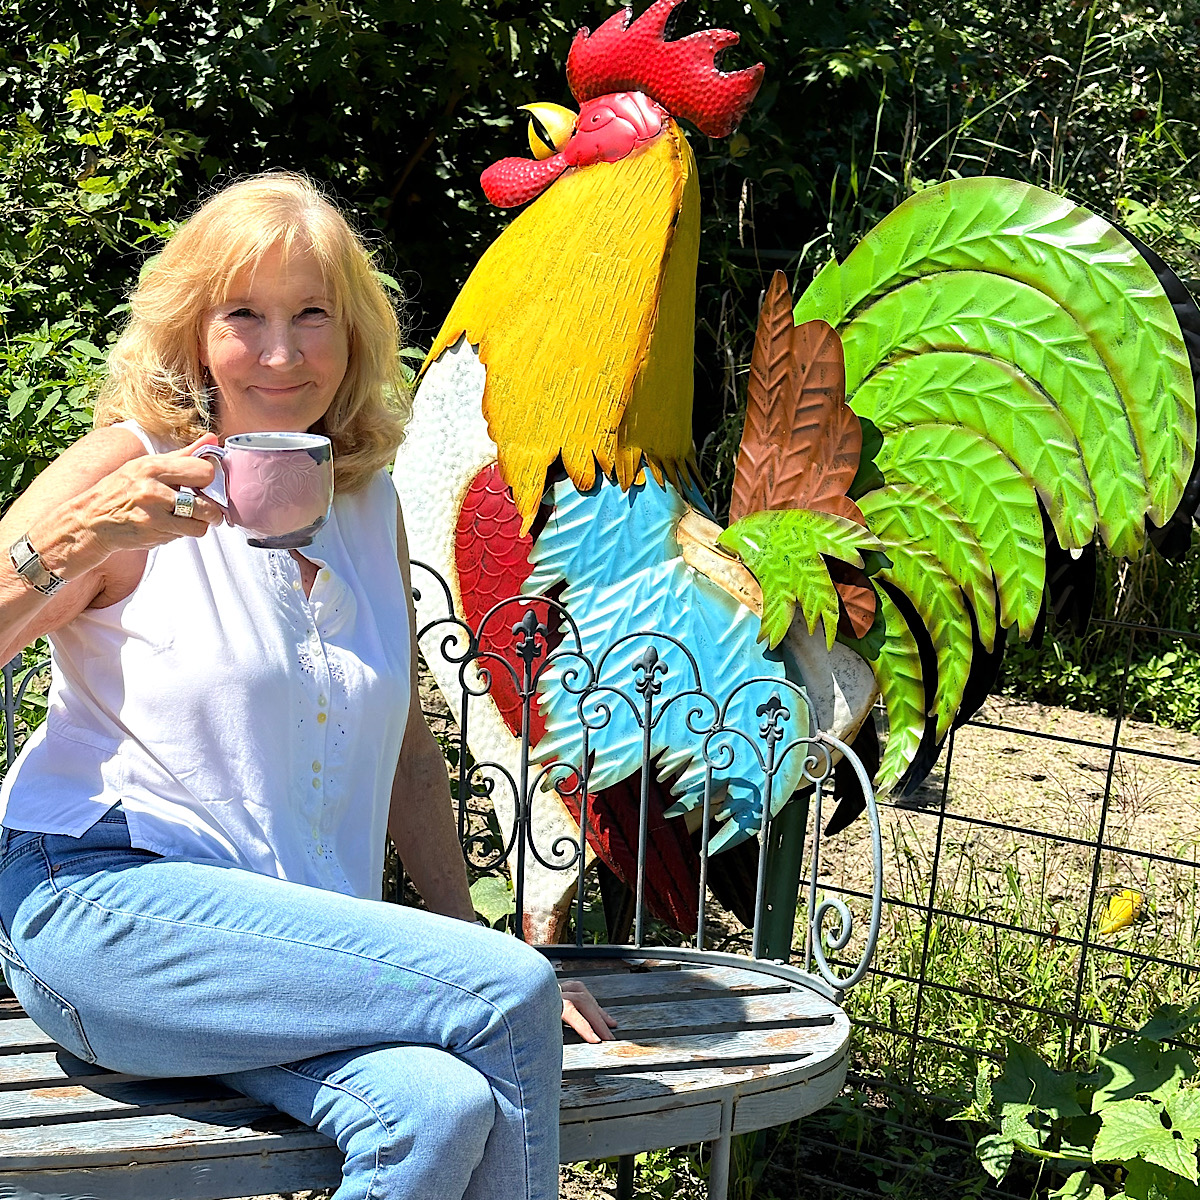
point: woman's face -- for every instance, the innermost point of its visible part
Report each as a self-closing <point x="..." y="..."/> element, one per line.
<point x="276" y="352"/>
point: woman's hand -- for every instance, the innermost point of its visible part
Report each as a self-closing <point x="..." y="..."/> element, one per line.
<point x="583" y="1013"/>
<point x="132" y="508"/>
<point x="91" y="516"/>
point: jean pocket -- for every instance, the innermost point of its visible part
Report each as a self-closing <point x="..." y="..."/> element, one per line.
<point x="54" y="1016"/>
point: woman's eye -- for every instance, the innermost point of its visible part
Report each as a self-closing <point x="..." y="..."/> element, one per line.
<point x="314" y="310"/>
<point x="240" y="313"/>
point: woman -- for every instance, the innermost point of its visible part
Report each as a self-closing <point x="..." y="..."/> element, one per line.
<point x="193" y="843"/>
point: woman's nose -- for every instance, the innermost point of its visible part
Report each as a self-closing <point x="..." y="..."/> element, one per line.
<point x="281" y="347"/>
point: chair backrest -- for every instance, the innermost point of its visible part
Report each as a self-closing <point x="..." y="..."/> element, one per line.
<point x="624" y="695"/>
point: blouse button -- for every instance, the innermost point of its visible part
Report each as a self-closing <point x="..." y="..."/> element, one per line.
<point x="316" y="766"/>
<point x="316" y="783"/>
<point x="321" y="718"/>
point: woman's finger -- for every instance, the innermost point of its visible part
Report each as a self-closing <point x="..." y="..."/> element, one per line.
<point x="202" y="510"/>
<point x="582" y="1012"/>
<point x="582" y="1026"/>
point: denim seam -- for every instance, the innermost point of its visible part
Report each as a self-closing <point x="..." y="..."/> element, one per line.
<point x="13" y="855"/>
<point x="341" y="1087"/>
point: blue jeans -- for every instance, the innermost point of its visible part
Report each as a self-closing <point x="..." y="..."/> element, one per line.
<point x="430" y="1050"/>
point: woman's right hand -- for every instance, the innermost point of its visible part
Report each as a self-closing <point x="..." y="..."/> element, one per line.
<point x="91" y="516"/>
<point x="132" y="508"/>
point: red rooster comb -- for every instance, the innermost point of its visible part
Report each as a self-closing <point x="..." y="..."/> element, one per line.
<point x="634" y="56"/>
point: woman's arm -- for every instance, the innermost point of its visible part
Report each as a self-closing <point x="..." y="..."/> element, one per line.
<point x="421" y="816"/>
<point x="91" y="516"/>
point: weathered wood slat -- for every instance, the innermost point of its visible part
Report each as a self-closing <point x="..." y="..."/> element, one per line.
<point x="284" y="1169"/>
<point x="160" y="1138"/>
<point x="720" y="1014"/>
<point x="21" y="1033"/>
<point x="635" y="1133"/>
<point x="45" y="1068"/>
<point x="790" y="1103"/>
<point x="626" y="988"/>
<point x="101" y="1097"/>
<point x="592" y="1096"/>
<point x="715" y="1049"/>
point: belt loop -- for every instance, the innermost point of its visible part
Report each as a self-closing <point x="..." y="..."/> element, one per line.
<point x="3" y="840"/>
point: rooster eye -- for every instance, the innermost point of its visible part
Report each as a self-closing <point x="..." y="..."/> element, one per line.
<point x="538" y="130"/>
<point x="550" y="128"/>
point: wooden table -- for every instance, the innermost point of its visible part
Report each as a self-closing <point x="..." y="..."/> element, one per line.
<point x="709" y="1045"/>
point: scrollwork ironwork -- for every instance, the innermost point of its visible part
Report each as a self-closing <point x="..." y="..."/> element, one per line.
<point x="663" y="675"/>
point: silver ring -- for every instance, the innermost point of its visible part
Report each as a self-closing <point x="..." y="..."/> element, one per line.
<point x="185" y="504"/>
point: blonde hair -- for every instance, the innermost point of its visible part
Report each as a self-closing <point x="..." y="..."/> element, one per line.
<point x="155" y="375"/>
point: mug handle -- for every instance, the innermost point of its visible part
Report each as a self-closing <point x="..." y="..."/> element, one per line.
<point x="215" y="490"/>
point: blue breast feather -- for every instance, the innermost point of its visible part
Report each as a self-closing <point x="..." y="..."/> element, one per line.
<point x="617" y="555"/>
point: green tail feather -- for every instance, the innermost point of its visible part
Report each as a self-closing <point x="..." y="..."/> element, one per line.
<point x="907" y="516"/>
<point x="994" y="401"/>
<point x="991" y="318"/>
<point x="994" y="499"/>
<point x="1076" y="258"/>
<point x="1010" y="345"/>
<point x="898" y="669"/>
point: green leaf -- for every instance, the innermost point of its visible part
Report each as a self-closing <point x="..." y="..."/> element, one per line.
<point x="1134" y="1128"/>
<point x="783" y="550"/>
<point x="1079" y="1133"/>
<point x="87" y="349"/>
<point x="1078" y="1187"/>
<point x="17" y="399"/>
<point x="996" y="318"/>
<point x="393" y="285"/>
<point x="1024" y="233"/>
<point x="1139" y="1068"/>
<point x="1169" y="1021"/>
<point x="1026" y="1079"/>
<point x="1024" y="1125"/>
<point x="995" y="1153"/>
<point x="991" y="496"/>
<point x="1148" y="1181"/>
<point x="493" y="899"/>
<point x="1183" y="1108"/>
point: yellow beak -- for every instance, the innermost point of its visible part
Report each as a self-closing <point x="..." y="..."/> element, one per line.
<point x="550" y="127"/>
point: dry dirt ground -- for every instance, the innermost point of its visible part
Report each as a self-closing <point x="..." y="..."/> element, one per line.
<point x="1041" y="787"/>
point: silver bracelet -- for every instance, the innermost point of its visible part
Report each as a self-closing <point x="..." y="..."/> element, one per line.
<point x="28" y="564"/>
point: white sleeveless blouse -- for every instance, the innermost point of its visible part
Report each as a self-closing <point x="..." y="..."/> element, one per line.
<point x="233" y="717"/>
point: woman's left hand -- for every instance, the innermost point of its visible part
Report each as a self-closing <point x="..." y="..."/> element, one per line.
<point x="583" y="1013"/>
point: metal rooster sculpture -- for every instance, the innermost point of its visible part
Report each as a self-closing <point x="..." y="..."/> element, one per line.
<point x="1018" y="381"/>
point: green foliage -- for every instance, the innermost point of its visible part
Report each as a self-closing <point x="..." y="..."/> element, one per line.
<point x="84" y="185"/>
<point x="493" y="899"/>
<point x="1130" y="1127"/>
<point x="1086" y="671"/>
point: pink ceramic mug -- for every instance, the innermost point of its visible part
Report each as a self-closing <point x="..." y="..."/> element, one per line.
<point x="278" y="487"/>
